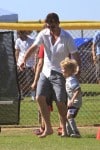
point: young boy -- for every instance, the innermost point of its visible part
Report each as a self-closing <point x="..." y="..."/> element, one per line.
<point x="69" y="69"/>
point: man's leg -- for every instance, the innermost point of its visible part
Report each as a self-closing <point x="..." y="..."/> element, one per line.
<point x="59" y="95"/>
<point x="45" y="114"/>
<point x="62" y="111"/>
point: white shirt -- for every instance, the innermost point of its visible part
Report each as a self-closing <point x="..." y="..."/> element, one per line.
<point x="22" y="46"/>
<point x="54" y="54"/>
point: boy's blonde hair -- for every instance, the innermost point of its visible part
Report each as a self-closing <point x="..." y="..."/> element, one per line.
<point x="69" y="65"/>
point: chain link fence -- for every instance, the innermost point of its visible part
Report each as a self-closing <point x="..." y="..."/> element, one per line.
<point x="9" y="90"/>
<point x="89" y="114"/>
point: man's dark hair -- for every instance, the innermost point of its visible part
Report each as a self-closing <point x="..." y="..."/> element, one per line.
<point x="52" y="17"/>
<point x="21" y="31"/>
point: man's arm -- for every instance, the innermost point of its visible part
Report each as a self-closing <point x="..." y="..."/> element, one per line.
<point x="37" y="73"/>
<point x="16" y="54"/>
<point x="39" y="66"/>
<point x="77" y="58"/>
<point x="28" y="53"/>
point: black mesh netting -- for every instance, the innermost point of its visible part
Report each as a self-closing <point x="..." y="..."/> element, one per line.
<point x="9" y="91"/>
<point x="88" y="74"/>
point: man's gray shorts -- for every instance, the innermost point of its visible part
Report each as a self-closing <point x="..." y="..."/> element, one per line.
<point x="54" y="86"/>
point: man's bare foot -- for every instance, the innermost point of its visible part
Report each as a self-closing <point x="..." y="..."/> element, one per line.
<point x="45" y="134"/>
<point x="38" y="131"/>
<point x="64" y="134"/>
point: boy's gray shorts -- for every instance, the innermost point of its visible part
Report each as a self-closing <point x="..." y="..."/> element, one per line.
<point x="54" y="86"/>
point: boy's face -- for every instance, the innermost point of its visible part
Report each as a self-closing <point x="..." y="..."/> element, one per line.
<point x="66" y="72"/>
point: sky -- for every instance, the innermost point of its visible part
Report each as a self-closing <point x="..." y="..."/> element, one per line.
<point x="68" y="10"/>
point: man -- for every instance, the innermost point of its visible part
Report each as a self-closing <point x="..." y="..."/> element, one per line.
<point x="96" y="54"/>
<point x="58" y="44"/>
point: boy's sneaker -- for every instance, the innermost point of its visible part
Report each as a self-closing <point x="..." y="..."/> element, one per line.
<point x="75" y="135"/>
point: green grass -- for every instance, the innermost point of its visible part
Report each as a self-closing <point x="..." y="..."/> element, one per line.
<point x="24" y="139"/>
<point x="90" y="87"/>
<point x="89" y="113"/>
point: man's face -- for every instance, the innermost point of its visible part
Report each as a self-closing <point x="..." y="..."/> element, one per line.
<point x="53" y="25"/>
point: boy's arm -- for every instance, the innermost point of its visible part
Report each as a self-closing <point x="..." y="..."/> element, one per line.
<point x="76" y="92"/>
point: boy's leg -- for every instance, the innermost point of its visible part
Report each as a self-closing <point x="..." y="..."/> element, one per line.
<point x="72" y="112"/>
<point x="68" y="128"/>
<point x="73" y="126"/>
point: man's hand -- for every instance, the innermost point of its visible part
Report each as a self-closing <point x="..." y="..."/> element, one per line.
<point x="78" y="72"/>
<point x="33" y="86"/>
<point x="22" y="65"/>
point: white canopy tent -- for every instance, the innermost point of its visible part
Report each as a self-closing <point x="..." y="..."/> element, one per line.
<point x="7" y="16"/>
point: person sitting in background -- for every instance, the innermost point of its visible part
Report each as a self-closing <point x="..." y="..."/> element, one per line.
<point x="73" y="89"/>
<point x="26" y="76"/>
<point x="96" y="54"/>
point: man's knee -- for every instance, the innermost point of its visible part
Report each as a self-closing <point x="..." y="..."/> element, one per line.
<point x="41" y="99"/>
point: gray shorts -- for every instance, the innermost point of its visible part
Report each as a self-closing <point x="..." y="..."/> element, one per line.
<point x="54" y="86"/>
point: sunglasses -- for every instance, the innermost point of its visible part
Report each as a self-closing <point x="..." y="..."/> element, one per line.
<point x="51" y="26"/>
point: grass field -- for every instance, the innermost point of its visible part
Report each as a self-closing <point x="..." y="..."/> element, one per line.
<point x="24" y="139"/>
<point x="20" y="138"/>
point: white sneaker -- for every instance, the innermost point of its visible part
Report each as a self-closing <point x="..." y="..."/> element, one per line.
<point x="32" y="98"/>
<point x="33" y="95"/>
